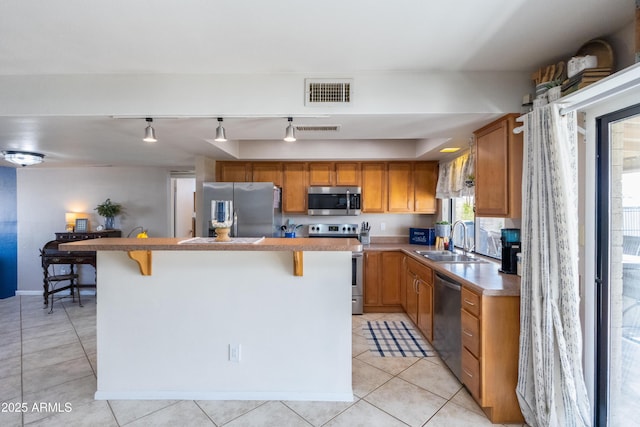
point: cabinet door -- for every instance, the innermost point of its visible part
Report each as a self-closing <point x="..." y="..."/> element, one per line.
<point x="498" y="170"/>
<point x="294" y="188"/>
<point x="391" y="278"/>
<point x="267" y="172"/>
<point x="347" y="173"/>
<point x="412" y="296"/>
<point x="320" y="173"/>
<point x="372" y="263"/>
<point x="400" y="187"/>
<point x="233" y="172"/>
<point x="425" y="309"/>
<point x="425" y="178"/>
<point x="374" y="187"/>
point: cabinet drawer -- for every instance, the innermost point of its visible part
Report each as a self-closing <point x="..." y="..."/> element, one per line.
<point x="471" y="373"/>
<point x="471" y="302"/>
<point x="471" y="333"/>
<point x="425" y="273"/>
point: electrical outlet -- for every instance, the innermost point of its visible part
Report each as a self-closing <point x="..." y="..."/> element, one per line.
<point x="234" y="352"/>
<point x="383" y="226"/>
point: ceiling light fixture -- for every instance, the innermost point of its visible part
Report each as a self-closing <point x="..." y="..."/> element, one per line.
<point x="220" y="134"/>
<point x="450" y="149"/>
<point x="290" y="136"/>
<point x="23" y="158"/>
<point x="149" y="132"/>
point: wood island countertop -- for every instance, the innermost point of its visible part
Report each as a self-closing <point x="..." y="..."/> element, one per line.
<point x="172" y="244"/>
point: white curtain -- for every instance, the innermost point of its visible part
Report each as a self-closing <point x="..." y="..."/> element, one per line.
<point x="452" y="176"/>
<point x="551" y="388"/>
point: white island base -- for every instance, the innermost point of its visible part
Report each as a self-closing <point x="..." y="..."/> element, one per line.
<point x="168" y="335"/>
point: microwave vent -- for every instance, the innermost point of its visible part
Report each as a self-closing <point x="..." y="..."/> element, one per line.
<point x="328" y="91"/>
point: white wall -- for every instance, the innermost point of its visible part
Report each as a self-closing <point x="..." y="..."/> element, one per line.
<point x="45" y="194"/>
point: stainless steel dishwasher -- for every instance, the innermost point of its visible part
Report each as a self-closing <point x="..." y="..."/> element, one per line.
<point x="446" y="323"/>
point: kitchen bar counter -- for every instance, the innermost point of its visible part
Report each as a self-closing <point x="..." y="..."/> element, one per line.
<point x="223" y="321"/>
<point x="483" y="278"/>
<point x="173" y="244"/>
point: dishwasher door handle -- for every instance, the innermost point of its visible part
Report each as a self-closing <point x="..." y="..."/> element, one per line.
<point x="443" y="281"/>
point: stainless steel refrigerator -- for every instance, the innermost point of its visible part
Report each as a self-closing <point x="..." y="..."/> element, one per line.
<point x="257" y="207"/>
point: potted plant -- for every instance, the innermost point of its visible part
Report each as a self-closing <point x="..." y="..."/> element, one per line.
<point x="443" y="229"/>
<point x="108" y="210"/>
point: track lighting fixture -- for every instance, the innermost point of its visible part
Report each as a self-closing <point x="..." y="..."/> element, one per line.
<point x="220" y="134"/>
<point x="290" y="135"/>
<point x="23" y="158"/>
<point x="149" y="132"/>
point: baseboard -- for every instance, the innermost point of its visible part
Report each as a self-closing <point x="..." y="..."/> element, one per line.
<point x="31" y="293"/>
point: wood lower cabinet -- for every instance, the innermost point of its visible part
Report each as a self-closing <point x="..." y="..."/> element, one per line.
<point x="383" y="277"/>
<point x="498" y="187"/>
<point x="419" y="291"/>
<point x="490" y="347"/>
<point x="294" y="188"/>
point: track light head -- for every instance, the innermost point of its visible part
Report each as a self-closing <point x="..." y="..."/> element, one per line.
<point x="290" y="135"/>
<point x="149" y="132"/>
<point x="220" y="133"/>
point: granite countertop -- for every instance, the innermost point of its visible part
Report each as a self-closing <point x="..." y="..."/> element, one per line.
<point x="173" y="244"/>
<point x="482" y="278"/>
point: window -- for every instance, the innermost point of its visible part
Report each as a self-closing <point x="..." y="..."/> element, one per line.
<point x="483" y="234"/>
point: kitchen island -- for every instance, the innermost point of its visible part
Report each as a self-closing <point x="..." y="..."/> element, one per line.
<point x="232" y="321"/>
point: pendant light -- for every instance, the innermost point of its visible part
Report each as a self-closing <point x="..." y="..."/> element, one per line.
<point x="23" y="158"/>
<point x="149" y="132"/>
<point x="220" y="134"/>
<point x="290" y="135"/>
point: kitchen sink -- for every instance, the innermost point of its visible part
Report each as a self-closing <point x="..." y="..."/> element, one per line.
<point x="447" y="256"/>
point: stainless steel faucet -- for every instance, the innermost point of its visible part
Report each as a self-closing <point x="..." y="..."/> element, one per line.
<point x="464" y="236"/>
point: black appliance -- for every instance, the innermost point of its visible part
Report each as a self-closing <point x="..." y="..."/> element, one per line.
<point x="510" y="238"/>
<point x="340" y="201"/>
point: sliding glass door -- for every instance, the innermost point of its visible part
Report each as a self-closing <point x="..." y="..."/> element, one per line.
<point x="618" y="268"/>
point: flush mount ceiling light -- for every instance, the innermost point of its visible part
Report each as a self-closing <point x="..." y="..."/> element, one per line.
<point x="220" y="134"/>
<point x="290" y="136"/>
<point x="23" y="158"/>
<point x="450" y="150"/>
<point x="149" y="132"/>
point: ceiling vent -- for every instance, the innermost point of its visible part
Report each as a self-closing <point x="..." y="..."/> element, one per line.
<point x="318" y="128"/>
<point x="327" y="92"/>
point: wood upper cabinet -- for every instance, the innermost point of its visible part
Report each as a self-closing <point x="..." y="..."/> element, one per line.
<point x="425" y="179"/>
<point x="233" y="171"/>
<point x="490" y="346"/>
<point x="374" y="187"/>
<point x="294" y="188"/>
<point x="383" y="276"/>
<point x="347" y="173"/>
<point x="498" y="188"/>
<point x="267" y="172"/>
<point x="400" y="188"/>
<point x="334" y="173"/>
<point x="321" y="173"/>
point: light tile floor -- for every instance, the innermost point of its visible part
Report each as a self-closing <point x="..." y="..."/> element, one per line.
<point x="48" y="378"/>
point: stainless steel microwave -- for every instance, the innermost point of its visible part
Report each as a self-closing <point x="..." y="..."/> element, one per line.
<point x="339" y="201"/>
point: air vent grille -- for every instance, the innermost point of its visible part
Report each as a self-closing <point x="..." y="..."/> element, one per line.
<point x="327" y="92"/>
<point x="322" y="128"/>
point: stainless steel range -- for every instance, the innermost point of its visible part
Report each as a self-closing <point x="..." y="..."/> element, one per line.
<point x="345" y="231"/>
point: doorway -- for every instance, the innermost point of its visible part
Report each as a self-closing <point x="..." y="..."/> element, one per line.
<point x="617" y="369"/>
<point x="183" y="206"/>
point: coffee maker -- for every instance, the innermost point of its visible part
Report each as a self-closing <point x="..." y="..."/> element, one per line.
<point x="510" y="238"/>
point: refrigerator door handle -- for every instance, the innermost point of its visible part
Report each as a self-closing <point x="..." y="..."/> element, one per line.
<point x="235" y="223"/>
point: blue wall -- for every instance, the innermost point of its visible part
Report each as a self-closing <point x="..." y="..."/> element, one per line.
<point x="8" y="233"/>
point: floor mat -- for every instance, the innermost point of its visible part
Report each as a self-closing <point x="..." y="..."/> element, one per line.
<point x="395" y="339"/>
